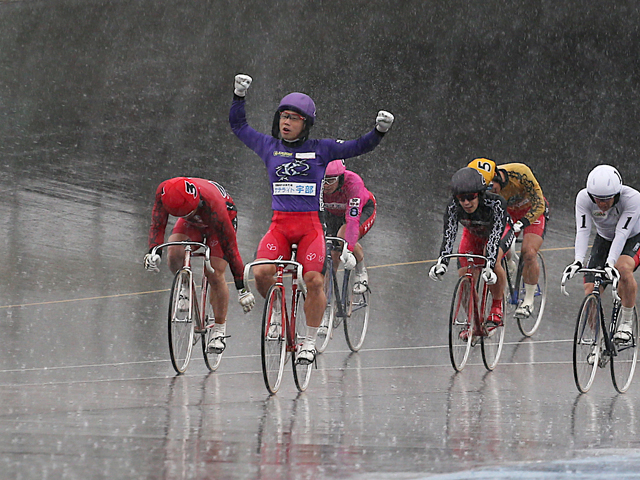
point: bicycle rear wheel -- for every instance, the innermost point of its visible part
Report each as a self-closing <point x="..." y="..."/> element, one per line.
<point x="587" y="343"/>
<point x="529" y="325"/>
<point x="357" y="318"/>
<point x="273" y="349"/>
<point x="326" y="328"/>
<point x="301" y="373"/>
<point x="623" y="363"/>
<point x="181" y="326"/>
<point x="460" y="330"/>
<point x="492" y="340"/>
<point x="211" y="360"/>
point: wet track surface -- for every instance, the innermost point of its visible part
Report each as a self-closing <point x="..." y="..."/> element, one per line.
<point x="102" y="100"/>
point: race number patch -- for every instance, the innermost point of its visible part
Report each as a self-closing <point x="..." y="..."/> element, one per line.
<point x="292" y="188"/>
<point x="354" y="203"/>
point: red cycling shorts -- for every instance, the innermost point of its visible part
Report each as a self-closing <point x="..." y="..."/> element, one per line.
<point x="473" y="244"/>
<point x="539" y="226"/>
<point x="301" y="228"/>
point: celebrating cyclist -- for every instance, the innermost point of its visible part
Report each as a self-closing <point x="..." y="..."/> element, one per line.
<point x="614" y="208"/>
<point x="529" y="212"/>
<point x="296" y="167"/>
<point x="207" y="214"/>
<point x="486" y="231"/>
<point x="350" y="212"/>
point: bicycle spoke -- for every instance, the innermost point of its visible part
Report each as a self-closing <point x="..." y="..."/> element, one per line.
<point x="301" y="373"/>
<point x="587" y="344"/>
<point x="493" y="337"/>
<point x="180" y="321"/>
<point x="357" y="318"/>
<point x="623" y="363"/>
<point x="326" y="328"/>
<point x="460" y="333"/>
<point x="529" y="325"/>
<point x="273" y="345"/>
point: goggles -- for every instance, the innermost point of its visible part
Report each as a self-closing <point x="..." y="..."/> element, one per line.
<point x="467" y="197"/>
<point x="330" y="180"/>
<point x="597" y="198"/>
<point x="291" y="116"/>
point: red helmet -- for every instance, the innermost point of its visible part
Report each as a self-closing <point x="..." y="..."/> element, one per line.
<point x="335" y="168"/>
<point x="180" y="196"/>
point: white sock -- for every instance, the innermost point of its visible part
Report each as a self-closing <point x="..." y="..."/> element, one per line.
<point x="627" y="314"/>
<point x="310" y="337"/>
<point x="529" y="293"/>
<point x="220" y="329"/>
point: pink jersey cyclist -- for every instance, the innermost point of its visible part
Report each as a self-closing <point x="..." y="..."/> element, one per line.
<point x="350" y="212"/>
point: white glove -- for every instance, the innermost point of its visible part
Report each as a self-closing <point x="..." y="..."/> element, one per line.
<point x="246" y="300"/>
<point x="241" y="85"/>
<point x="489" y="276"/>
<point x="517" y="227"/>
<point x="384" y="120"/>
<point x="570" y="271"/>
<point x="151" y="262"/>
<point x="612" y="273"/>
<point x="437" y="270"/>
<point x="348" y="259"/>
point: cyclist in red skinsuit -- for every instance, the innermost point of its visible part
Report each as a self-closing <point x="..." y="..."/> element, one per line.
<point x="350" y="212"/>
<point x="208" y="215"/>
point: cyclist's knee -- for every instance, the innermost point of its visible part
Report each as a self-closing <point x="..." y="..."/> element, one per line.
<point x="314" y="281"/>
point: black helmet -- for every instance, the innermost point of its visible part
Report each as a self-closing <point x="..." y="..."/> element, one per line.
<point x="467" y="180"/>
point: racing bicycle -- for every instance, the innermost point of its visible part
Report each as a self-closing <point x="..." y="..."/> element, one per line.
<point x="343" y="304"/>
<point x="190" y="320"/>
<point x="593" y="342"/>
<point x="470" y="308"/>
<point x="283" y="325"/>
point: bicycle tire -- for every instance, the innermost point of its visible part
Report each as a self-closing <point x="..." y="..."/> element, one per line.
<point x="211" y="360"/>
<point x="491" y="342"/>
<point x="326" y="328"/>
<point x="529" y="325"/>
<point x="623" y="363"/>
<point x="273" y="349"/>
<point x="356" y="320"/>
<point x="587" y="340"/>
<point x="180" y="321"/>
<point x="460" y="330"/>
<point x="301" y="373"/>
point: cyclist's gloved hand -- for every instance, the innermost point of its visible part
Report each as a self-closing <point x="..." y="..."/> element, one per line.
<point x="246" y="300"/>
<point x="437" y="270"/>
<point x="384" y="120"/>
<point x="348" y="259"/>
<point x="517" y="227"/>
<point x="489" y="276"/>
<point x="612" y="273"/>
<point x="241" y="85"/>
<point x="571" y="270"/>
<point x="151" y="262"/>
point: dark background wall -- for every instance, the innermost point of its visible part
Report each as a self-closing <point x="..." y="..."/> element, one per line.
<point x="119" y="95"/>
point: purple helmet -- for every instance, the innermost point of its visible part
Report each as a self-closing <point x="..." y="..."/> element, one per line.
<point x="301" y="103"/>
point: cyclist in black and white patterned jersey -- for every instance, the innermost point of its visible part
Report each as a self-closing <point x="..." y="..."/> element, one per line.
<point x="487" y="230"/>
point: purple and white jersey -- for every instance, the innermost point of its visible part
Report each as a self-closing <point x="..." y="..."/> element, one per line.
<point x="615" y="225"/>
<point x="296" y="173"/>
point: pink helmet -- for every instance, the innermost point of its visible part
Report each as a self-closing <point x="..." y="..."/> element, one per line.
<point x="335" y="168"/>
<point x="180" y="196"/>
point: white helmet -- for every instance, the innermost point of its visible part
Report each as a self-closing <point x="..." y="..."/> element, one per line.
<point x="604" y="181"/>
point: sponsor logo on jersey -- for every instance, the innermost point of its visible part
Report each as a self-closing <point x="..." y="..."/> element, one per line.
<point x="298" y="167"/>
<point x="354" y="202"/>
<point x="599" y="213"/>
<point x="282" y="154"/>
<point x="336" y="206"/>
<point x="292" y="188"/>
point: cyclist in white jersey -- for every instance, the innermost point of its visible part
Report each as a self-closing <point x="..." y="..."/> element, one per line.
<point x="614" y="208"/>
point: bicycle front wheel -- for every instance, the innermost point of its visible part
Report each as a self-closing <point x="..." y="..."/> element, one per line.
<point x="273" y="343"/>
<point x="301" y="373"/>
<point x="623" y="363"/>
<point x="493" y="337"/>
<point x="211" y="359"/>
<point x="587" y="343"/>
<point x="181" y="315"/>
<point x="460" y="330"/>
<point x="326" y="327"/>
<point x="357" y="318"/>
<point x="530" y="324"/>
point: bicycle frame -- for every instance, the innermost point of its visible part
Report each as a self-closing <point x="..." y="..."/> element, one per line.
<point x="341" y="294"/>
<point x="476" y="306"/>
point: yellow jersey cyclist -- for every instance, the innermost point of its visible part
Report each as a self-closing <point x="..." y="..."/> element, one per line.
<point x="529" y="211"/>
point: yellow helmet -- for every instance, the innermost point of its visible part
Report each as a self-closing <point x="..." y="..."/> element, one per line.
<point x="486" y="167"/>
